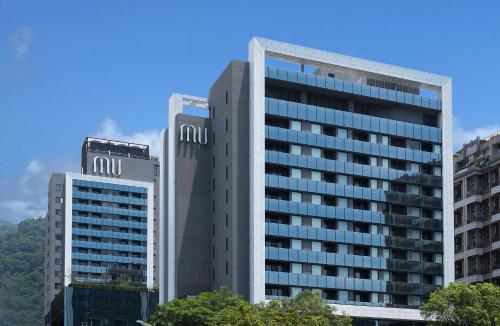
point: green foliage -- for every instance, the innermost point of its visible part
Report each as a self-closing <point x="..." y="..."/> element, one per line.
<point x="464" y="304"/>
<point x="242" y="314"/>
<point x="120" y="286"/>
<point x="221" y="307"/>
<point x="196" y="310"/>
<point x="308" y="308"/>
<point x="22" y="252"/>
<point x="6" y="226"/>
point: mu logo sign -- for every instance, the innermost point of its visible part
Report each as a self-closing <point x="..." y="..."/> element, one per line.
<point x="196" y="132"/>
<point x="107" y="166"/>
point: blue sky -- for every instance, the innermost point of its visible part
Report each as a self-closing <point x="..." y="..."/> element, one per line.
<point x="70" y="69"/>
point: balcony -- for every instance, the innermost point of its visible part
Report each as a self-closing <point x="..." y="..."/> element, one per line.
<point x="476" y="271"/>
<point x="413" y="200"/>
<point x="475" y="218"/>
<point x="409" y="288"/>
<point x="474" y="245"/>
<point x="414" y="267"/>
<point x="495" y="187"/>
<point x="410" y="221"/>
<point x="476" y="191"/>
<point x="352" y="88"/>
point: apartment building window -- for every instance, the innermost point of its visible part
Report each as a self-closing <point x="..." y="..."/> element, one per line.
<point x="59" y="187"/>
<point x="429" y="120"/>
<point x="296" y="197"/>
<point x="227" y="97"/>
<point x="227" y="196"/>
<point x="227" y="220"/>
<point x="227" y="268"/>
<point x="57" y="273"/>
<point x="316" y="152"/>
<point x="315" y="175"/>
<point x="297" y="268"/>
<point x="295" y="150"/>
<point x="296" y="173"/>
<point x="58" y="286"/>
<point x="295" y="125"/>
<point x="60" y="200"/>
<point x="59" y="225"/>
<point x="59" y="236"/>
<point x="58" y="261"/>
<point x="341" y="156"/>
<point x="315" y="129"/>
<point x="227" y="244"/>
<point x="59" y="212"/>
<point x="59" y="249"/>
<point x="227" y="149"/>
<point x="213" y="162"/>
<point x="360" y="296"/>
<point x="227" y="124"/>
<point x="227" y="172"/>
<point x="341" y="133"/>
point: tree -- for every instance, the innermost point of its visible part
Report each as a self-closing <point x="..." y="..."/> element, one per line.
<point x="22" y="254"/>
<point x="243" y="314"/>
<point x="307" y="308"/>
<point x="221" y="307"/>
<point x="196" y="310"/>
<point x="464" y="304"/>
<point x="6" y="226"/>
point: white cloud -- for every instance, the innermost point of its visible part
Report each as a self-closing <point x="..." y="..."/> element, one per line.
<point x="109" y="129"/>
<point x="25" y="195"/>
<point x="34" y="167"/>
<point x="462" y="136"/>
<point x="20" y="41"/>
<point x="20" y="207"/>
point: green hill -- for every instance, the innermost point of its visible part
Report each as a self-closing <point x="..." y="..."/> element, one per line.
<point x="22" y="273"/>
<point x="6" y="226"/>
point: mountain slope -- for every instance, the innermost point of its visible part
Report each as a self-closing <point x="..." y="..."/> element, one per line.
<point x="22" y="273"/>
<point x="6" y="226"/>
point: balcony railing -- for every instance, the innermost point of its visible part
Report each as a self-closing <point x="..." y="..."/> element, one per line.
<point x="477" y="271"/>
<point x="411" y="221"/>
<point x="475" y="218"/>
<point x="474" y="192"/>
<point x="474" y="245"/>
